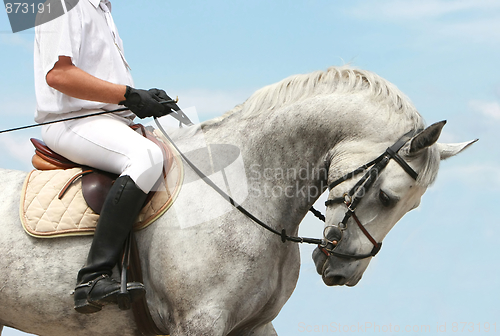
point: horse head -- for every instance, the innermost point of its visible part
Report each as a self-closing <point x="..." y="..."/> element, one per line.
<point x="361" y="211"/>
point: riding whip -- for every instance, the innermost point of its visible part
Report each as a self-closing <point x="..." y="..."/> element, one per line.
<point x="177" y="114"/>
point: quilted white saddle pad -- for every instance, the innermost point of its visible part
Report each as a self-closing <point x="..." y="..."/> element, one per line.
<point x="44" y="215"/>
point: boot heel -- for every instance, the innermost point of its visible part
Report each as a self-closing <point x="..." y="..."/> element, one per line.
<point x="83" y="306"/>
<point x="81" y="298"/>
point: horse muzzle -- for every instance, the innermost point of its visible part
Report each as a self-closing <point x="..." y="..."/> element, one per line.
<point x="334" y="271"/>
<point x="334" y="277"/>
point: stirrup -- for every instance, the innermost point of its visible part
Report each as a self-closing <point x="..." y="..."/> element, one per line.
<point x="84" y="303"/>
<point x="123" y="298"/>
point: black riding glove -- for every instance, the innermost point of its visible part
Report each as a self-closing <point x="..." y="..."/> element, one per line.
<point x="171" y="105"/>
<point x="146" y="103"/>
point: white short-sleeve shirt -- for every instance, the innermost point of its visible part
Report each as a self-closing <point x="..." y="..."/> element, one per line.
<point x="84" y="35"/>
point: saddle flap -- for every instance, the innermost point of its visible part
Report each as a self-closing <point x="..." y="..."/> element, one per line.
<point x="95" y="188"/>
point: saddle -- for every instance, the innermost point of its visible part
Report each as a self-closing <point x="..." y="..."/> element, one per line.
<point x="95" y="183"/>
<point x="95" y="187"/>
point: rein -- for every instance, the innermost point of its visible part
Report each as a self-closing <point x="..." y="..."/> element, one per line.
<point x="351" y="199"/>
<point x="284" y="236"/>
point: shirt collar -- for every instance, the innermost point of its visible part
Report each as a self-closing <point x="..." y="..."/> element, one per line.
<point x="96" y="3"/>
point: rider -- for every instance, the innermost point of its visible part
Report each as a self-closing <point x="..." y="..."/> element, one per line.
<point x="80" y="68"/>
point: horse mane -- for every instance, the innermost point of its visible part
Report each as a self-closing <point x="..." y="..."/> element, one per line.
<point x="333" y="80"/>
<point x="344" y="79"/>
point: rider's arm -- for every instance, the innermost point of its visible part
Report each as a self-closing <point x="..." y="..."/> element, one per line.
<point x="73" y="81"/>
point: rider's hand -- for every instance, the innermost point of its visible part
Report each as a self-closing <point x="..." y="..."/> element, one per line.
<point x="172" y="105"/>
<point x="146" y="103"/>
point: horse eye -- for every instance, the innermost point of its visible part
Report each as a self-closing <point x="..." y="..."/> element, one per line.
<point x="384" y="199"/>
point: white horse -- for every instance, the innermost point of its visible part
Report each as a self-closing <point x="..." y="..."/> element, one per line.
<point x="223" y="274"/>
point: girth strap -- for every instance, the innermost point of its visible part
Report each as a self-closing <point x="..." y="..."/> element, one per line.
<point x="140" y="309"/>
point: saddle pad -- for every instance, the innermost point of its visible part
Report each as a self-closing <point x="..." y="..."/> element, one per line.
<point x="44" y="215"/>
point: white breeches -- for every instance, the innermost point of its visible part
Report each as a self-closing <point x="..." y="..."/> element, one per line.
<point x="108" y="143"/>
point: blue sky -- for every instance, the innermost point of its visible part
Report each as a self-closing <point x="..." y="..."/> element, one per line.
<point x="439" y="265"/>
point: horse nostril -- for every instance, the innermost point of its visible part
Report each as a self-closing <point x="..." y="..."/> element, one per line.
<point x="338" y="279"/>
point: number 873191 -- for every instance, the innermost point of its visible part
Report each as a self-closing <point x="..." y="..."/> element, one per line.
<point x="25" y="8"/>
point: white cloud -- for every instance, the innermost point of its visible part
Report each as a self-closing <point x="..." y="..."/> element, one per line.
<point x="18" y="106"/>
<point x="489" y="109"/>
<point x="22" y="40"/>
<point x="481" y="176"/>
<point x="403" y="10"/>
<point x="484" y="30"/>
<point x="15" y="148"/>
<point x="18" y="147"/>
<point x="473" y="20"/>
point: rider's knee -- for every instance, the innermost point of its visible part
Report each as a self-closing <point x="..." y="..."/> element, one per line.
<point x="146" y="166"/>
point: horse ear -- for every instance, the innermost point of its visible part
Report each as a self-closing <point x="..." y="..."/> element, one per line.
<point x="426" y="138"/>
<point x="449" y="150"/>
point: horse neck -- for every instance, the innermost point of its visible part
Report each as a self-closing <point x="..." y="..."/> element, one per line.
<point x="284" y="152"/>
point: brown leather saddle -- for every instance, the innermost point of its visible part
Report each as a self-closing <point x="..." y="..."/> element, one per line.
<point x="95" y="183"/>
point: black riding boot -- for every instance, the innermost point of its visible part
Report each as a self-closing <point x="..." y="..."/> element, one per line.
<point x="95" y="287"/>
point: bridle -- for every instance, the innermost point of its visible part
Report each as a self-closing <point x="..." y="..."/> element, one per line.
<point x="333" y="234"/>
<point x="351" y="199"/>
